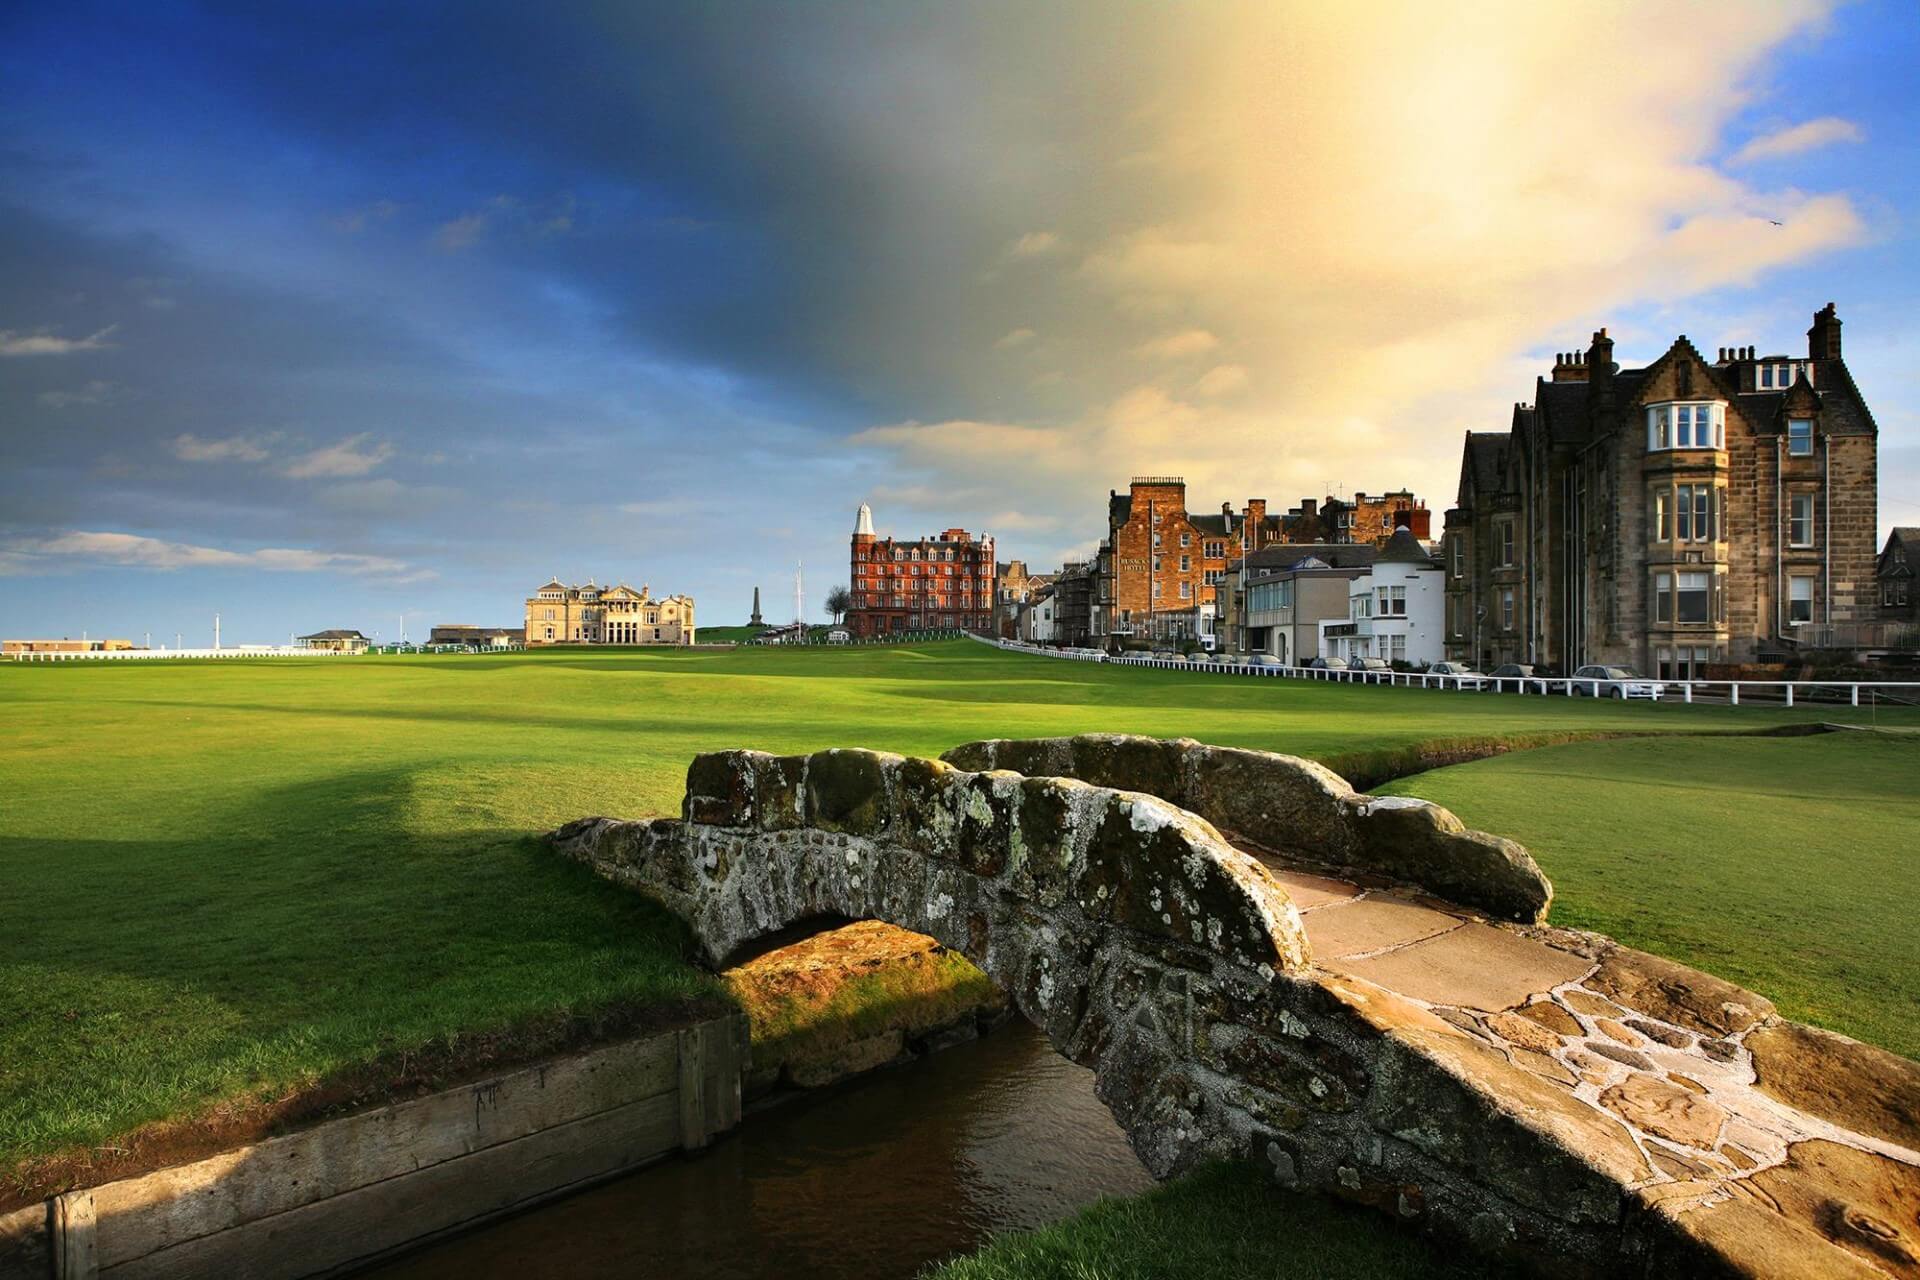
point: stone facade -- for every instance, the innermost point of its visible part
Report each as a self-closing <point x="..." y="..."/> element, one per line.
<point x="1898" y="566"/>
<point x="562" y="614"/>
<point x="1013" y="588"/>
<point x="940" y="582"/>
<point x="1669" y="517"/>
<point x="1539" y="1094"/>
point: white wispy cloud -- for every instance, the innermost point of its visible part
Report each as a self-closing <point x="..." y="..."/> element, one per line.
<point x="192" y="448"/>
<point x="16" y="343"/>
<point x="1014" y="338"/>
<point x="1794" y="139"/>
<point x="350" y="457"/>
<point x="460" y="233"/>
<point x="78" y="548"/>
<point x="353" y="221"/>
<point x="94" y="392"/>
<point x="1176" y="346"/>
<point x="1034" y="244"/>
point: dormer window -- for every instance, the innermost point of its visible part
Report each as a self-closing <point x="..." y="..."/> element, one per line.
<point x="1687" y="426"/>
<point x="1778" y="375"/>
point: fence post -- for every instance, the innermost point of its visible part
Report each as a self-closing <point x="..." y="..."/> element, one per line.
<point x="1789" y="693"/>
<point x="1735" y="699"/>
<point x="1855" y="691"/>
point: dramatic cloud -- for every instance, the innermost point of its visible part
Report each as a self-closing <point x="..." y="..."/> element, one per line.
<point x="1823" y="132"/>
<point x="1374" y="261"/>
<point x="350" y="457"/>
<point x="13" y="343"/>
<point x="191" y="448"/>
<point x="58" y="553"/>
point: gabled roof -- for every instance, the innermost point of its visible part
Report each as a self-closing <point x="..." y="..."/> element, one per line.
<point x="335" y="635"/>
<point x="1906" y="539"/>
<point x="1485" y="461"/>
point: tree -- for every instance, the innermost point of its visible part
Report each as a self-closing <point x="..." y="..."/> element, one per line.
<point x="839" y="600"/>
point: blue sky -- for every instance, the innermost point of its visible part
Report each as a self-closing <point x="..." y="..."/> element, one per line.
<point x="321" y="315"/>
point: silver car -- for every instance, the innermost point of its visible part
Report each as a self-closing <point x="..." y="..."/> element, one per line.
<point x="1616" y="682"/>
<point x="1458" y="675"/>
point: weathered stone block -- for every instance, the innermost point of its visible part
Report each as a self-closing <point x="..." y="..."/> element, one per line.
<point x="1426" y="845"/>
<point x="1279" y="802"/>
<point x="720" y="789"/>
<point x="778" y="792"/>
<point x="1124" y="762"/>
<point x="847" y="791"/>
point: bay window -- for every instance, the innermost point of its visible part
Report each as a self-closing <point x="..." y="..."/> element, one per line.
<point x="1687" y="426"/>
<point x="1393" y="601"/>
<point x="1662" y="514"/>
<point x="1693" y="511"/>
<point x="1663" y="597"/>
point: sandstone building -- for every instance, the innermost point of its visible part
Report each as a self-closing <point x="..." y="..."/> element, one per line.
<point x="1668" y="517"/>
<point x="939" y="582"/>
<point x="1899" y="561"/>
<point x="562" y="614"/>
<point x="1014" y="587"/>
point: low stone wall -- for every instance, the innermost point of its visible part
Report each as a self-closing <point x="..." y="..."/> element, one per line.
<point x="1292" y="807"/>
<point x="1541" y="1094"/>
<point x="347" y="1191"/>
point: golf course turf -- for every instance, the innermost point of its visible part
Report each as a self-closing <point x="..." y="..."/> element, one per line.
<point x="228" y="882"/>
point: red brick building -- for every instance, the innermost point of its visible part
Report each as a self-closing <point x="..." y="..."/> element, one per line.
<point x="930" y="583"/>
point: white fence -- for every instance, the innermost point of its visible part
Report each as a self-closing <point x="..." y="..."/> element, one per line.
<point x="1765" y="692"/>
<point x="146" y="655"/>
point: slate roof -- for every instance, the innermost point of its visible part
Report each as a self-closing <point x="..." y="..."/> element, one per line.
<point x="1281" y="556"/>
<point x="1487" y="458"/>
<point x="1403" y="548"/>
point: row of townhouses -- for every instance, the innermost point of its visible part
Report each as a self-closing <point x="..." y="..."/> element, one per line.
<point x="1686" y="513"/>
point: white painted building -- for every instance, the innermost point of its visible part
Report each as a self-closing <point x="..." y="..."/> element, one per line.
<point x="1037" y="618"/>
<point x="1395" y="611"/>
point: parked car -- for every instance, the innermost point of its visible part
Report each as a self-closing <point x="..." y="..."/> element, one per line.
<point x="1264" y="660"/>
<point x="1616" y="682"/>
<point x="1527" y="680"/>
<point x="1375" y="670"/>
<point x="1458" y="675"/>
<point x="1336" y="668"/>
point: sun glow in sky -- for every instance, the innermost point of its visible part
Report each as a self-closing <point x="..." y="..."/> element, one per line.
<point x="320" y="315"/>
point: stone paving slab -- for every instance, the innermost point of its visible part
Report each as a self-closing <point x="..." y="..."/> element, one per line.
<point x="1309" y="891"/>
<point x="1367" y="926"/>
<point x="1475" y="966"/>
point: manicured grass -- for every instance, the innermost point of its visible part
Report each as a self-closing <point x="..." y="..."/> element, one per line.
<point x="1784" y="864"/>
<point x="1221" y="1223"/>
<point x="235" y="879"/>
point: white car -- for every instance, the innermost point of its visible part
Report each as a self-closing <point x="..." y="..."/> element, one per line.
<point x="1616" y="682"/>
<point x="1458" y="675"/>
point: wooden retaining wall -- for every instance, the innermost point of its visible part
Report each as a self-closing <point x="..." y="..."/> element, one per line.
<point x="350" y="1190"/>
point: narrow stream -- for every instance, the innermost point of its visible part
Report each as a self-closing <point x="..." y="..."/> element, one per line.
<point x="876" y="1178"/>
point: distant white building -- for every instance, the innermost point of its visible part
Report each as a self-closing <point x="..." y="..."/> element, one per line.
<point x="1395" y="611"/>
<point x="1037" y="617"/>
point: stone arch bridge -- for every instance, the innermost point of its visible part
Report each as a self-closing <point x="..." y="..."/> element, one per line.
<point x="1357" y="994"/>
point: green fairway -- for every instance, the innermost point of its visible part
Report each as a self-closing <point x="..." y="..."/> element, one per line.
<point x="232" y="879"/>
<point x="1783" y="864"/>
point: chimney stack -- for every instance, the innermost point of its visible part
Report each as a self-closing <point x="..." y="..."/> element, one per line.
<point x="1823" y="340"/>
<point x="1570" y="366"/>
